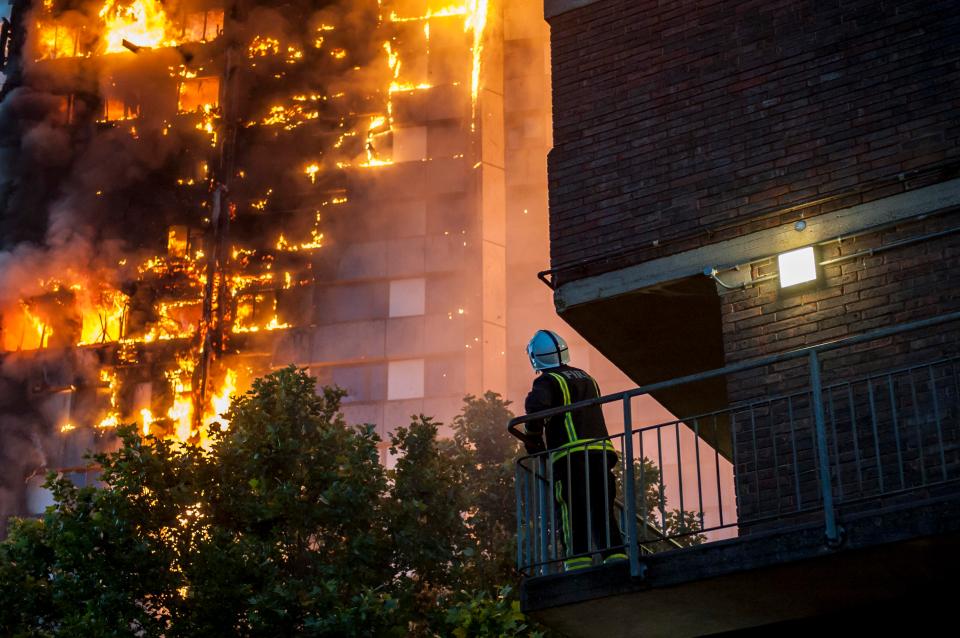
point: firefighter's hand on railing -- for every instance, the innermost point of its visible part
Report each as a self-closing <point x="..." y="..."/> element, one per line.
<point x="534" y="444"/>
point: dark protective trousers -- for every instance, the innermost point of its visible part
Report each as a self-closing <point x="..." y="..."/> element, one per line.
<point x="584" y="491"/>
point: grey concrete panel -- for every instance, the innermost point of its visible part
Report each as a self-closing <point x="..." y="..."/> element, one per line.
<point x="406" y="337"/>
<point x="363" y="261"/>
<point x="405" y="257"/>
<point x="447" y="334"/>
<point x="447" y="176"/>
<point x="363" y="383"/>
<point x="357" y="302"/>
<point x="350" y="341"/>
<point x="446" y="252"/>
<point x="445" y="376"/>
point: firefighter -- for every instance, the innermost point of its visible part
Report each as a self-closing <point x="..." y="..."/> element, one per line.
<point x="584" y="483"/>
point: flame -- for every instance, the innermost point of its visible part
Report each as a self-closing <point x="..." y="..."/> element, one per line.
<point x="450" y="10"/>
<point x="273" y="324"/>
<point x="112" y="419"/>
<point x="40" y="328"/>
<point x="181" y="412"/>
<point x="221" y="400"/>
<point x="261" y="47"/>
<point x="146" y="419"/>
<point x="103" y="317"/>
<point x="66" y="427"/>
<point x="477" y="22"/>
<point x="140" y="22"/>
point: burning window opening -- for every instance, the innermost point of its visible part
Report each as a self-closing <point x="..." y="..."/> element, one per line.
<point x="120" y="26"/>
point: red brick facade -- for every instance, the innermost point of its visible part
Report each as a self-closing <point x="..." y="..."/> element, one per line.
<point x="685" y="123"/>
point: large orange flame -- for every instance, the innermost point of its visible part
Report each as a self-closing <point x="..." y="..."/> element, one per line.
<point x="141" y="22"/>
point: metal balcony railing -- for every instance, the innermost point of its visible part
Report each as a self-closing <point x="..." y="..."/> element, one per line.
<point x="845" y="426"/>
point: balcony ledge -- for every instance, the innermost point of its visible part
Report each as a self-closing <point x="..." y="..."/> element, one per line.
<point x="760" y="579"/>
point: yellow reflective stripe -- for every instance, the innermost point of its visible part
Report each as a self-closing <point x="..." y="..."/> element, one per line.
<point x="577" y="563"/>
<point x="577" y="446"/>
<point x="564" y="515"/>
<point x="568" y="417"/>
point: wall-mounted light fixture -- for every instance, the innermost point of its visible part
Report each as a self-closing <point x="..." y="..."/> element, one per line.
<point x="797" y="266"/>
<point x="802" y="265"/>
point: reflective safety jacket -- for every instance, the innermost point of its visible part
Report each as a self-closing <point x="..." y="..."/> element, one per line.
<point x="576" y="430"/>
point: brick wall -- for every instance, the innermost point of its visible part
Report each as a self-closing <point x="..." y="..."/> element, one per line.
<point x="684" y="123"/>
<point x="897" y="431"/>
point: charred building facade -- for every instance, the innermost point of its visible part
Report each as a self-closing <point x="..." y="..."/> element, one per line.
<point x="194" y="193"/>
<point x="753" y="214"/>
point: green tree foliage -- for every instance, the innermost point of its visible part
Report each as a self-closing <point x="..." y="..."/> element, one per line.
<point x="486" y="453"/>
<point x="489" y="616"/>
<point x="287" y="525"/>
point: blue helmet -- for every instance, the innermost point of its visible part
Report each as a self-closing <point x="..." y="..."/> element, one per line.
<point x="546" y="350"/>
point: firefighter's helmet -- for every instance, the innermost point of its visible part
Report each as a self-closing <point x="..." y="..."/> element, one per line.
<point x="546" y="350"/>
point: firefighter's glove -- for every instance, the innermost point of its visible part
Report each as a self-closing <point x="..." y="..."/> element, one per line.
<point x="534" y="444"/>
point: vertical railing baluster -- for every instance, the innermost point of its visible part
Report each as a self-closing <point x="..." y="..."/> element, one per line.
<point x="826" y="487"/>
<point x="643" y="485"/>
<point x="876" y="434"/>
<point x="606" y="498"/>
<point x="716" y="462"/>
<point x="661" y="488"/>
<point x="918" y="420"/>
<point x="696" y="449"/>
<point x="520" y="534"/>
<point x="856" y="437"/>
<point x="568" y="519"/>
<point x="936" y="416"/>
<point x="737" y="476"/>
<point x="588" y="498"/>
<point x="896" y="428"/>
<point x="542" y="514"/>
<point x="551" y="491"/>
<point x="630" y="504"/>
<point x="793" y="449"/>
<point x="532" y="521"/>
<point x="776" y="461"/>
<point x="756" y="459"/>
<point x="676" y="427"/>
<point x="836" y="443"/>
